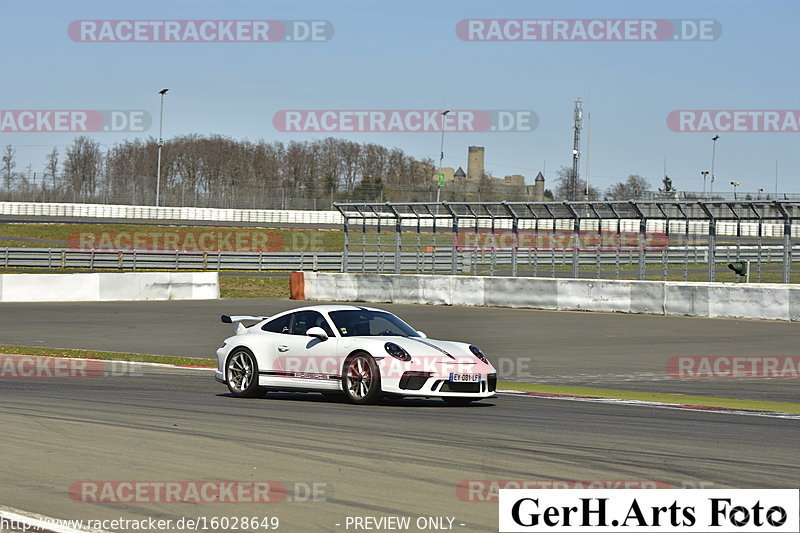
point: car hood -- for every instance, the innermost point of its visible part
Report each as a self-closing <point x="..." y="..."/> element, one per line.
<point x="445" y="351"/>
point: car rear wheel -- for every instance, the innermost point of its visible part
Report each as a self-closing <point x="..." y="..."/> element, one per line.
<point x="361" y="379"/>
<point x="242" y="374"/>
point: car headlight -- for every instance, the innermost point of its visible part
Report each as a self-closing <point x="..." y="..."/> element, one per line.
<point x="396" y="351"/>
<point x="478" y="353"/>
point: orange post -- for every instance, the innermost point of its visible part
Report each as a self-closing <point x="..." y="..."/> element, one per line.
<point x="297" y="289"/>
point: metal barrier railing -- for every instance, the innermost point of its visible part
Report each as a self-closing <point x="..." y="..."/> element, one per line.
<point x="523" y="233"/>
<point x="665" y="264"/>
<point x="132" y="260"/>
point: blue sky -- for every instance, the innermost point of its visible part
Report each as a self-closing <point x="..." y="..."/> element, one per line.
<point x="406" y="55"/>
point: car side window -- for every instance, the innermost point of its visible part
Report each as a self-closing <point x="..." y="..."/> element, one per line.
<point x="302" y="321"/>
<point x="279" y="325"/>
<point x="379" y="324"/>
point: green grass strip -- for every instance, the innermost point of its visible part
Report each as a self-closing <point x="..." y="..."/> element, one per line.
<point x="107" y="356"/>
<point x="682" y="399"/>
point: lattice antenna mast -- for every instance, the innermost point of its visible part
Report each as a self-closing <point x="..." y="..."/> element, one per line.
<point x="576" y="146"/>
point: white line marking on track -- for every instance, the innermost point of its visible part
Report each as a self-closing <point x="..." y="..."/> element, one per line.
<point x="660" y="405"/>
<point x="36" y="523"/>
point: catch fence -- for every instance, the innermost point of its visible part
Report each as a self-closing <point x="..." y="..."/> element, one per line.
<point x="675" y="240"/>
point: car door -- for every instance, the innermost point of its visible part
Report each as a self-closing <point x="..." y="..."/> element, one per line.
<point x="276" y="332"/>
<point x="309" y="362"/>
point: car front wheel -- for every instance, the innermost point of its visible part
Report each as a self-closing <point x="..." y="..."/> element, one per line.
<point x="242" y="374"/>
<point x="361" y="379"/>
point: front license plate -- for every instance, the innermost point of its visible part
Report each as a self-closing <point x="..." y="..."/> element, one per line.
<point x="464" y="378"/>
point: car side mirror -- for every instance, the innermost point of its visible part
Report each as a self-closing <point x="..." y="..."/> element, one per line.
<point x="317" y="332"/>
<point x="422" y="334"/>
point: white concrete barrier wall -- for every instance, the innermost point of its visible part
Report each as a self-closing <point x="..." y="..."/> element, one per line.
<point x="100" y="287"/>
<point x="759" y="301"/>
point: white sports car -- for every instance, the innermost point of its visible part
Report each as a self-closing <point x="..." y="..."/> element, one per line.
<point x="360" y="352"/>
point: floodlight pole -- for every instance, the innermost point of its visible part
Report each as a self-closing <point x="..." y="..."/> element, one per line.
<point x="715" y="138"/>
<point x="440" y="178"/>
<point x="162" y="92"/>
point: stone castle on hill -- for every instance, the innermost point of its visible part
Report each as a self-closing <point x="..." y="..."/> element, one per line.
<point x="476" y="185"/>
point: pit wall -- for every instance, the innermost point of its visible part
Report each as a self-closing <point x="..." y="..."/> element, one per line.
<point x="93" y="287"/>
<point x="718" y="300"/>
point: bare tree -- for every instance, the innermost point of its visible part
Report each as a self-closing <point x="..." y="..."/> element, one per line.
<point x="8" y="165"/>
<point x="351" y="155"/>
<point x="222" y="172"/>
<point x="634" y="188"/>
<point x="83" y="166"/>
<point x="571" y="189"/>
<point x="51" y="167"/>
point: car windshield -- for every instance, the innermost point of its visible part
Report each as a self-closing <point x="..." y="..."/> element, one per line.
<point x="357" y="323"/>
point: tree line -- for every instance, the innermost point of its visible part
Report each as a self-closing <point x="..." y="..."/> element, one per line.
<point x="635" y="187"/>
<point x="218" y="171"/>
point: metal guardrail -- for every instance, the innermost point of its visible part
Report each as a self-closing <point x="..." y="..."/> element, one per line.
<point x="132" y="260"/>
<point x="545" y="264"/>
<point x="475" y="261"/>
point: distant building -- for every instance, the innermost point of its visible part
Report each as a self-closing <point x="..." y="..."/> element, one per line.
<point x="538" y="188"/>
<point x="476" y="185"/>
<point x="475" y="163"/>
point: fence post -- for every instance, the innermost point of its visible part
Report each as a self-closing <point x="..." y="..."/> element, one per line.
<point x="398" y="238"/>
<point x="576" y="232"/>
<point x="514" y="238"/>
<point x="453" y="240"/>
<point x="346" y="248"/>
<point x="787" y="243"/>
<point x="345" y="228"/>
<point x="640" y="275"/>
<point x="454" y="251"/>
<point x="712" y="243"/>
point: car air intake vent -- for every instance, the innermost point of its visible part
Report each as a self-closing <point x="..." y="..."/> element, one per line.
<point x="492" y="382"/>
<point x="414" y="380"/>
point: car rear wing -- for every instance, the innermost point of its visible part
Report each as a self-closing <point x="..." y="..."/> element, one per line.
<point x="238" y="319"/>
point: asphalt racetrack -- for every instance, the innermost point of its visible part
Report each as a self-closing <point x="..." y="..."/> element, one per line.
<point x="607" y="350"/>
<point x="405" y="458"/>
<point x="62" y="439"/>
